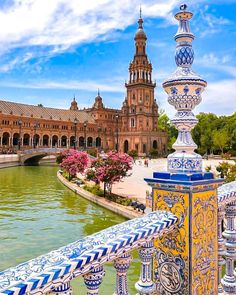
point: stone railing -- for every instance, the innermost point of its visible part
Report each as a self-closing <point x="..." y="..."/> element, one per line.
<point x="53" y="272"/>
<point x="227" y="237"/>
<point x="53" y="150"/>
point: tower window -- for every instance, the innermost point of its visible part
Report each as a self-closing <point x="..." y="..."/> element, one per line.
<point x="132" y="122"/>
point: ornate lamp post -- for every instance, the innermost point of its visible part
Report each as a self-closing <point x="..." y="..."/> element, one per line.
<point x="85" y="135"/>
<point x="34" y="139"/>
<point x="75" y="129"/>
<point x="19" y="141"/>
<point x="117" y="132"/>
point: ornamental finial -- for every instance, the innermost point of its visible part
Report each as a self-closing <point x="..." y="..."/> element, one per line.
<point x="184" y="90"/>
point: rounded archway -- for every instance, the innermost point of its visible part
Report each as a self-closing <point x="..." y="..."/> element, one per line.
<point x="45" y="140"/>
<point x="81" y="141"/>
<point x="55" y="141"/>
<point x="154" y="144"/>
<point x="98" y="142"/>
<point x="89" y="142"/>
<point x="16" y="138"/>
<point x="63" y="141"/>
<point x="26" y="139"/>
<point x="144" y="148"/>
<point x="126" y="146"/>
<point x="36" y="140"/>
<point x="72" y="141"/>
<point x="5" y="138"/>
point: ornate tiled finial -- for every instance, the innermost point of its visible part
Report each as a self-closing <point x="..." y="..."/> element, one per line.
<point x="184" y="90"/>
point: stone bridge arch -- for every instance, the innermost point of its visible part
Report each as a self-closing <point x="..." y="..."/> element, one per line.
<point x="32" y="157"/>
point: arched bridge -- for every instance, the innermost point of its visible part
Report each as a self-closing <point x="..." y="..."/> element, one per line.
<point x="32" y="156"/>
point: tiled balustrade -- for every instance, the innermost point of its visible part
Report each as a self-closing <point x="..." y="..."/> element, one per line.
<point x="53" y="272"/>
<point x="227" y="237"/>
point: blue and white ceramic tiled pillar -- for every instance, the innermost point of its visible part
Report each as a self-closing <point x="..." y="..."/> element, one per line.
<point x="93" y="280"/>
<point x="145" y="285"/>
<point x="229" y="279"/>
<point x="122" y="265"/>
<point x="186" y="260"/>
<point x="64" y="289"/>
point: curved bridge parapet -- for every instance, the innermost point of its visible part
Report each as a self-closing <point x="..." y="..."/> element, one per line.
<point x="34" y="155"/>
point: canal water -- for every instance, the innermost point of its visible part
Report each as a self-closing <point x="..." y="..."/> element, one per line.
<point x="38" y="214"/>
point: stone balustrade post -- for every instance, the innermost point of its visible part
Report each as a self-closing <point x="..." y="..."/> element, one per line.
<point x="94" y="279"/>
<point x="221" y="249"/>
<point x="229" y="280"/>
<point x="145" y="285"/>
<point x="64" y="289"/>
<point x="122" y="265"/>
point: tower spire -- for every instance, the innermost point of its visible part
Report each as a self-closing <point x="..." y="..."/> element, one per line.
<point x="140" y="12"/>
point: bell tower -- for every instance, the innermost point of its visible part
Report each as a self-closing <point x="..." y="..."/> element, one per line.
<point x="141" y="108"/>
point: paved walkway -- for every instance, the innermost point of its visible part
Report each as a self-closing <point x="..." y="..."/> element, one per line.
<point x="135" y="186"/>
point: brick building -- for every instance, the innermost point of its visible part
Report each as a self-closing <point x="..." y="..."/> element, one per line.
<point x="133" y="127"/>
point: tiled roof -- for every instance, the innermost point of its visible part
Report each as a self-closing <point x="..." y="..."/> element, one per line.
<point x="26" y="110"/>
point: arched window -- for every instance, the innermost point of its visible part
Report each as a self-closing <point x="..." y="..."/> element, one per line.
<point x="98" y="142"/>
<point x="81" y="141"/>
<point x="26" y="139"/>
<point x="45" y="140"/>
<point x="90" y="142"/>
<point x="63" y="141"/>
<point x="55" y="140"/>
<point x="144" y="148"/>
<point x="154" y="144"/>
<point x="126" y="146"/>
<point x="132" y="122"/>
<point x="5" y="138"/>
<point x="16" y="138"/>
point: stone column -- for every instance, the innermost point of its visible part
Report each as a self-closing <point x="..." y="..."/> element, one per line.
<point x="93" y="280"/>
<point x="145" y="285"/>
<point x="122" y="265"/>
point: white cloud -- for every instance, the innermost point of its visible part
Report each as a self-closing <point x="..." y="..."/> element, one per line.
<point x="105" y="85"/>
<point x="219" y="63"/>
<point x="65" y="23"/>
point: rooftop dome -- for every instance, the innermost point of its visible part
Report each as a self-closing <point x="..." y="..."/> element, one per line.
<point x="140" y="32"/>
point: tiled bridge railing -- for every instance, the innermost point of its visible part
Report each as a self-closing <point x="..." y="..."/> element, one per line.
<point x="53" y="150"/>
<point x="227" y="237"/>
<point x="53" y="272"/>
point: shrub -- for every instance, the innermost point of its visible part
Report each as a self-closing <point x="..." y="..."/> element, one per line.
<point x="133" y="154"/>
<point x="92" y="152"/>
<point x="227" y="171"/>
<point x="153" y="153"/>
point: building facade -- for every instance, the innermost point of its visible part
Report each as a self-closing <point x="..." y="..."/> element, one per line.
<point x="133" y="127"/>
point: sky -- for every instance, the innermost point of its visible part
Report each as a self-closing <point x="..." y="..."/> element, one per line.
<point x="53" y="50"/>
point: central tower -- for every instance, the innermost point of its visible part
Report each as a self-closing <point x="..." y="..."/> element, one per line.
<point x="139" y="130"/>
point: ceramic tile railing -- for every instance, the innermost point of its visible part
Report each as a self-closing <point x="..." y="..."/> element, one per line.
<point x="227" y="237"/>
<point x="53" y="272"/>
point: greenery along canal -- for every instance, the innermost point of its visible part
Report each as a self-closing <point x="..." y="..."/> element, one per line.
<point x="38" y="214"/>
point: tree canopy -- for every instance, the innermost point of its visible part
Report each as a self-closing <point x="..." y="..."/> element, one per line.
<point x="212" y="134"/>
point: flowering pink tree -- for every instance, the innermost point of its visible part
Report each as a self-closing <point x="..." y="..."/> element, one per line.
<point x="64" y="154"/>
<point x="75" y="162"/>
<point x="110" y="169"/>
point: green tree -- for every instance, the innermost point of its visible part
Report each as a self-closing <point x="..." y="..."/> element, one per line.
<point x="164" y="124"/>
<point x="220" y="139"/>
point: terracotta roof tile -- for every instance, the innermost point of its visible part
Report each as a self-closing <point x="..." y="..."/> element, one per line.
<point x="26" y="110"/>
